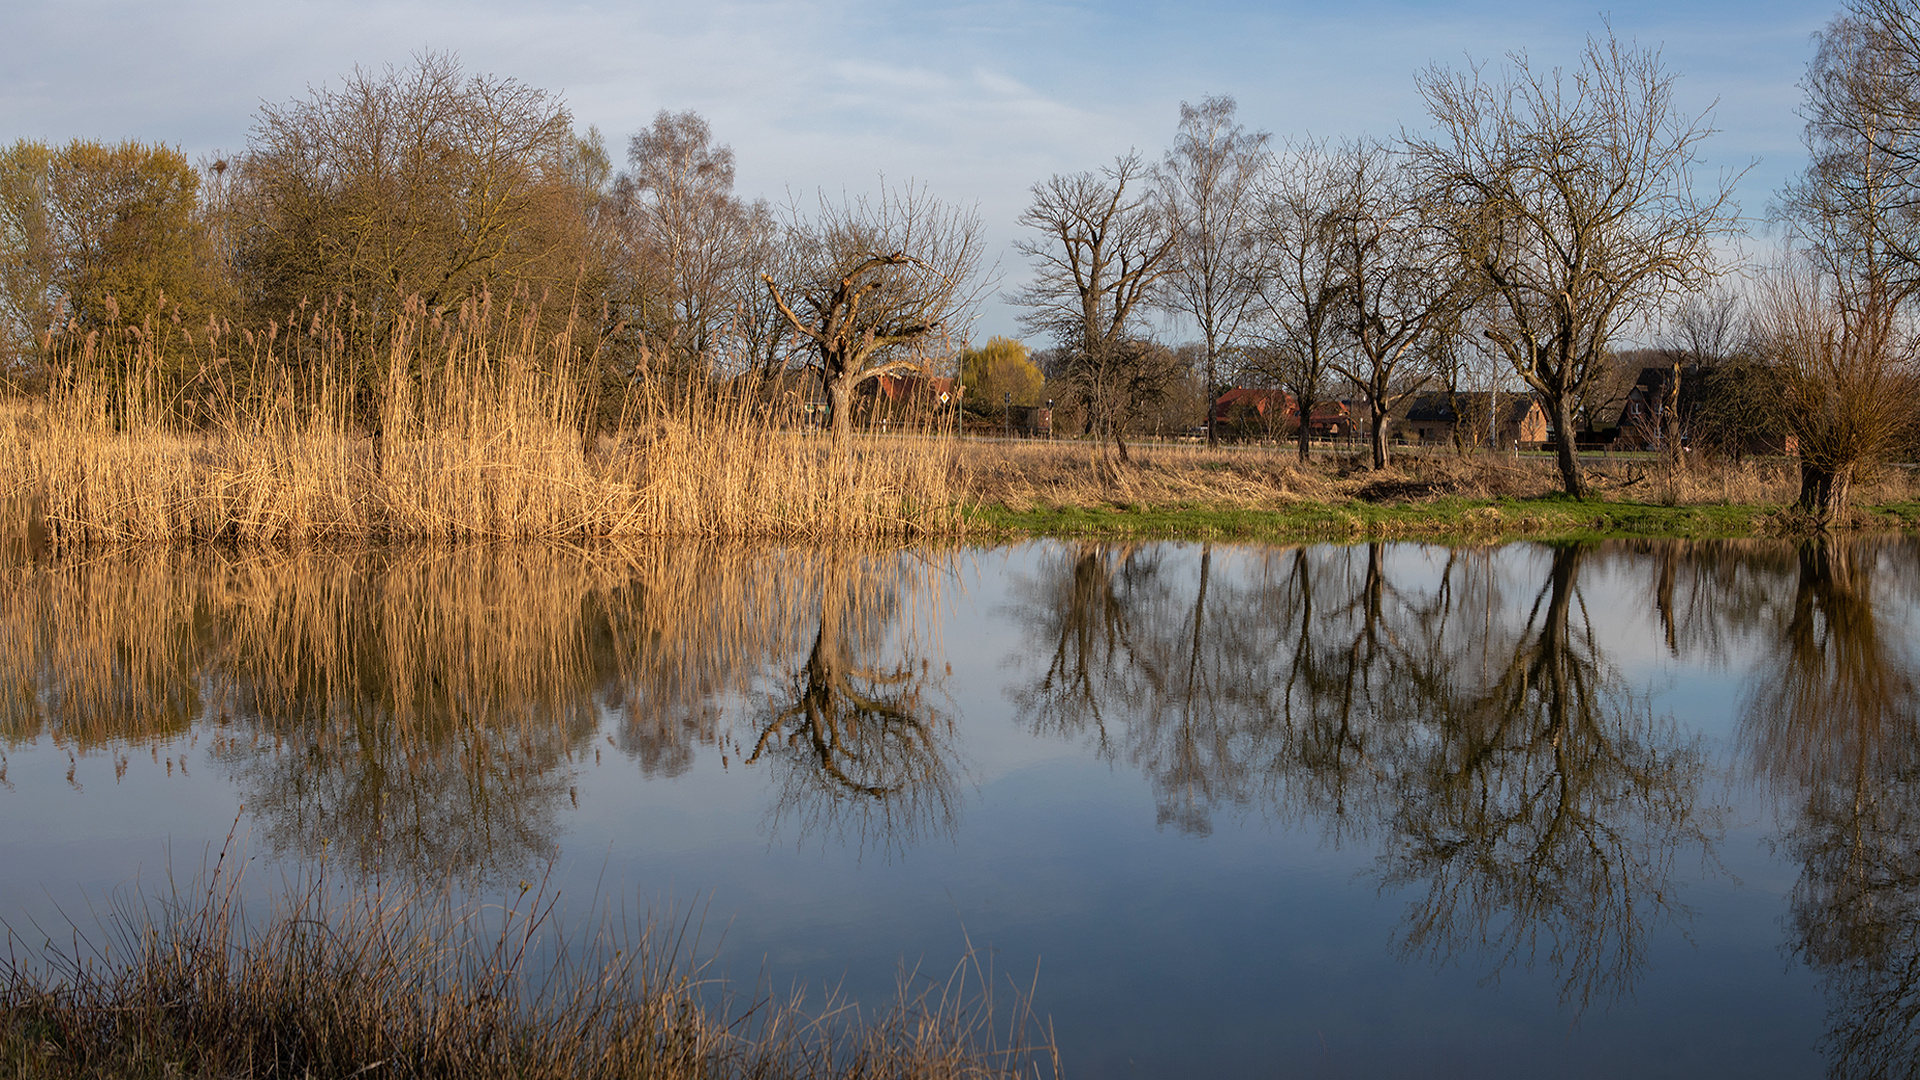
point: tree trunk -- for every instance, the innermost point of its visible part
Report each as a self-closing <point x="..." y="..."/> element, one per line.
<point x="1569" y="460"/>
<point x="1306" y="431"/>
<point x="1213" y="395"/>
<point x="839" y="407"/>
<point x="1825" y="492"/>
<point x="1379" y="440"/>
<point x="1670" y="417"/>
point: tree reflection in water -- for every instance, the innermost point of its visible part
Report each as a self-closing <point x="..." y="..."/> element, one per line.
<point x="1540" y="804"/>
<point x="862" y="752"/>
<point x="1500" y="763"/>
<point x="418" y="710"/>
<point x="1833" y="723"/>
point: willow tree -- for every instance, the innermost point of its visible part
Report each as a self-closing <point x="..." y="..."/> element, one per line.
<point x="1844" y="369"/>
<point x="1837" y="326"/>
<point x="1570" y="197"/>
<point x="876" y="284"/>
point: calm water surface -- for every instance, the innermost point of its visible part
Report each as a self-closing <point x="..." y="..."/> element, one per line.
<point x="1389" y="810"/>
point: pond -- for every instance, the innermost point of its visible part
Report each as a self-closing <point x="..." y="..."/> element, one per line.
<point x="1377" y="810"/>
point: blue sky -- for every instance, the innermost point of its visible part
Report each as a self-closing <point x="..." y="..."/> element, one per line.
<point x="977" y="99"/>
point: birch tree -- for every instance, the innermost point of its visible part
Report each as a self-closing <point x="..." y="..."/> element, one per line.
<point x="1210" y="183"/>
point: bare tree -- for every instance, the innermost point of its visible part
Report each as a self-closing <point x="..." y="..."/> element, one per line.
<point x="1105" y="248"/>
<point x="880" y="281"/>
<point x="1703" y="333"/>
<point x="1210" y="180"/>
<point x="1857" y="205"/>
<point x="1400" y="288"/>
<point x="685" y="236"/>
<point x="1835" y="330"/>
<point x="1570" y="197"/>
<point x="1301" y="286"/>
<point x="761" y="343"/>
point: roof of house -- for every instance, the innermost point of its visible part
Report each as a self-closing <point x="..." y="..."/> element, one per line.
<point x="1439" y="407"/>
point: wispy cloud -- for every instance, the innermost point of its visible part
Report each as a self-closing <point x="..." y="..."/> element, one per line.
<point x="978" y="99"/>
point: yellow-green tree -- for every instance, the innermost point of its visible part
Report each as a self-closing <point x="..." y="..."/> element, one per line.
<point x="99" y="235"/>
<point x="1001" y="367"/>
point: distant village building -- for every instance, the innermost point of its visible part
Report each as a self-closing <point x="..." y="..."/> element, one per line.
<point x="1472" y="418"/>
<point x="1642" y="417"/>
<point x="914" y="388"/>
<point x="909" y="397"/>
<point x="1253" y="413"/>
<point x="1642" y="427"/>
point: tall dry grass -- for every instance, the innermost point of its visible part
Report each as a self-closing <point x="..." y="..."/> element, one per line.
<point x="349" y="983"/>
<point x="467" y="426"/>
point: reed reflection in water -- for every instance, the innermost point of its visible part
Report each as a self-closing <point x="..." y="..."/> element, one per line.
<point x="424" y="710"/>
<point x="1510" y="779"/>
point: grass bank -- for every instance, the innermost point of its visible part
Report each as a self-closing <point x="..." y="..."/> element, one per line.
<point x="1070" y="489"/>
<point x="338" y="983"/>
<point x="488" y="426"/>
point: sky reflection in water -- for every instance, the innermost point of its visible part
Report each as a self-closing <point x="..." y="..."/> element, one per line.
<point x="1307" y="811"/>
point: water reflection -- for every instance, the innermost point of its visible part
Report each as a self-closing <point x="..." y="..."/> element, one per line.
<point x="1150" y="669"/>
<point x="1464" y="714"/>
<point x="1509" y="776"/>
<point x="1832" y="720"/>
<point x="862" y="751"/>
<point x="423" y="710"/>
<point x="1539" y="802"/>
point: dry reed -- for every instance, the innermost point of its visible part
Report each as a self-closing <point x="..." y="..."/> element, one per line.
<point x="353" y="983"/>
<point x="468" y="427"/>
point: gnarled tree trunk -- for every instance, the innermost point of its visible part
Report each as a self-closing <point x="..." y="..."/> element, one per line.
<point x="1570" y="479"/>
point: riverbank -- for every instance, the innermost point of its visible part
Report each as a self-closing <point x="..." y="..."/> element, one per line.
<point x="1070" y="490"/>
<point x="504" y="459"/>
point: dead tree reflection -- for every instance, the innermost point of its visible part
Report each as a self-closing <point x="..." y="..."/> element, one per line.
<point x="861" y="748"/>
<point x="1833" y="724"/>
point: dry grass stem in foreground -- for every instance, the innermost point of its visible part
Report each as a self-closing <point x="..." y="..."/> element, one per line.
<point x="337" y="983"/>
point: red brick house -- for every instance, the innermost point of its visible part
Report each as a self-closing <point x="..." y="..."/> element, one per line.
<point x="1246" y="412"/>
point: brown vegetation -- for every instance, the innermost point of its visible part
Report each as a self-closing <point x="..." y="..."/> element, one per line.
<point x="416" y="710"/>
<point x="1038" y="475"/>
<point x="337" y="983"/>
<point x="476" y="425"/>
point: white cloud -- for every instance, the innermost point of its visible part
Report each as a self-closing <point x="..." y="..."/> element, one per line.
<point x="976" y="99"/>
